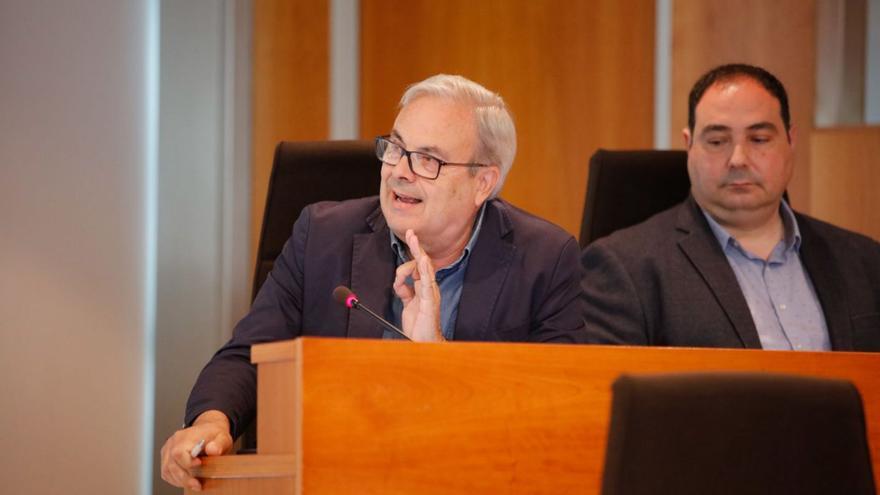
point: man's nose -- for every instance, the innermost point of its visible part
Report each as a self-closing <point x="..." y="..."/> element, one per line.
<point x="738" y="157"/>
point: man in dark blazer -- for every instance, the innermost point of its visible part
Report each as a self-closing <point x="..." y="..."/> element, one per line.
<point x="436" y="252"/>
<point x="734" y="266"/>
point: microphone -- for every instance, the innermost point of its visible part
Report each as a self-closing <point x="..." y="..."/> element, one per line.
<point x="345" y="296"/>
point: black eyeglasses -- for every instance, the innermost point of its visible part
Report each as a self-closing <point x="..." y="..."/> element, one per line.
<point x="421" y="164"/>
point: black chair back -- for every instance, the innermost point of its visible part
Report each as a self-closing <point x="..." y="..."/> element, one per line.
<point x="627" y="187"/>
<point x="304" y="173"/>
<point x="736" y="433"/>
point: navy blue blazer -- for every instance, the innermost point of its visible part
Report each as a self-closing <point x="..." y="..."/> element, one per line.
<point x="667" y="282"/>
<point x="522" y="284"/>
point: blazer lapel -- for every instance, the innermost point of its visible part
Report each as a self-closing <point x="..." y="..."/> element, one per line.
<point x="702" y="249"/>
<point x="818" y="261"/>
<point x="372" y="275"/>
<point x="486" y="272"/>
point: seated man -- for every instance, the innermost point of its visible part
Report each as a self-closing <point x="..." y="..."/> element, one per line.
<point x="462" y="264"/>
<point x="734" y="266"/>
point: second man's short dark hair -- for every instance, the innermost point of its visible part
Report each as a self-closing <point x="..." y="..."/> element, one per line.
<point x="734" y="71"/>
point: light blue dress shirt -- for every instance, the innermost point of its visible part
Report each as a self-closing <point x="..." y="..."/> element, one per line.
<point x="450" y="281"/>
<point x="779" y="292"/>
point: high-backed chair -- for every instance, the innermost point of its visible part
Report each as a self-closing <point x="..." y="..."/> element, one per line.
<point x="305" y="173"/>
<point x="627" y="187"/>
<point x="736" y="433"/>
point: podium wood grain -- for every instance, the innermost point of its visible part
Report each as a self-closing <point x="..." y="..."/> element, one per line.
<point x="390" y="417"/>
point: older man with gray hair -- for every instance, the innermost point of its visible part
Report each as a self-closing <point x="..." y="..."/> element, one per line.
<point x="463" y="264"/>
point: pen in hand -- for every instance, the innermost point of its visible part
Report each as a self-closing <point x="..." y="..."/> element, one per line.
<point x="197" y="449"/>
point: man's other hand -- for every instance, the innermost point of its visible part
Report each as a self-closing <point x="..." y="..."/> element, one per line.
<point x="177" y="459"/>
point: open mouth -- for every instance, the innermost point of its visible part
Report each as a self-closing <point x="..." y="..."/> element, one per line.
<point x="409" y="200"/>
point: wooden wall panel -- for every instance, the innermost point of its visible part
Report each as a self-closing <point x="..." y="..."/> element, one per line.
<point x="779" y="36"/>
<point x="845" y="174"/>
<point x="290" y="85"/>
<point x="577" y="75"/>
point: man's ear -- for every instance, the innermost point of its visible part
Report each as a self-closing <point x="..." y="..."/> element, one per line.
<point x="792" y="136"/>
<point x="686" y="134"/>
<point x="487" y="178"/>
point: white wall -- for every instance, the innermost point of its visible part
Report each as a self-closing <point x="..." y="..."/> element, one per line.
<point x="203" y="263"/>
<point x="77" y="150"/>
<point x="124" y="131"/>
<point x="345" y="24"/>
<point x="872" y="67"/>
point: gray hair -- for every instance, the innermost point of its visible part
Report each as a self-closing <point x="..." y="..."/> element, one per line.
<point x="495" y="129"/>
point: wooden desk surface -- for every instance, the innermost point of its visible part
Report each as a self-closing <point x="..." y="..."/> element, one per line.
<point x="397" y="417"/>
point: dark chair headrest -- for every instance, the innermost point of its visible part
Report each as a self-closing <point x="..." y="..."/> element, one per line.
<point x="738" y="433"/>
<point x="627" y="187"/>
<point x="307" y="172"/>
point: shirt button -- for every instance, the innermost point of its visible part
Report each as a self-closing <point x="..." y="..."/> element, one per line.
<point x="782" y="306"/>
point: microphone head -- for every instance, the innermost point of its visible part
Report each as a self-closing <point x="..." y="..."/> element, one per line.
<point x="345" y="296"/>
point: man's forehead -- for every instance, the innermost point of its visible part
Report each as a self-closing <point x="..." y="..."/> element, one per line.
<point x="739" y="102"/>
<point x="425" y="144"/>
<point x="435" y="123"/>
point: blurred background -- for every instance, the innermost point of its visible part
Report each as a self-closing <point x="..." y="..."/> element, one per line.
<point x="136" y="141"/>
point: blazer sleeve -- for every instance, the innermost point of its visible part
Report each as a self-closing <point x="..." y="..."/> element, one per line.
<point x="864" y="296"/>
<point x="613" y="311"/>
<point x="228" y="382"/>
<point x="558" y="317"/>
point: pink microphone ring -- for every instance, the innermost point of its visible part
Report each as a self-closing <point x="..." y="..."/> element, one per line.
<point x="351" y="300"/>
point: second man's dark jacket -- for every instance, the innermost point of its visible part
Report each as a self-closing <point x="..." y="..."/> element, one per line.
<point x="667" y="282"/>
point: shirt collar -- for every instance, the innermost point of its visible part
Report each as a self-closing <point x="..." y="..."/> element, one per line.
<point x="791" y="231"/>
<point x="399" y="247"/>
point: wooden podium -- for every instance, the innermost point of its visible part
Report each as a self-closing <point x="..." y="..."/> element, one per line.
<point x="340" y="416"/>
